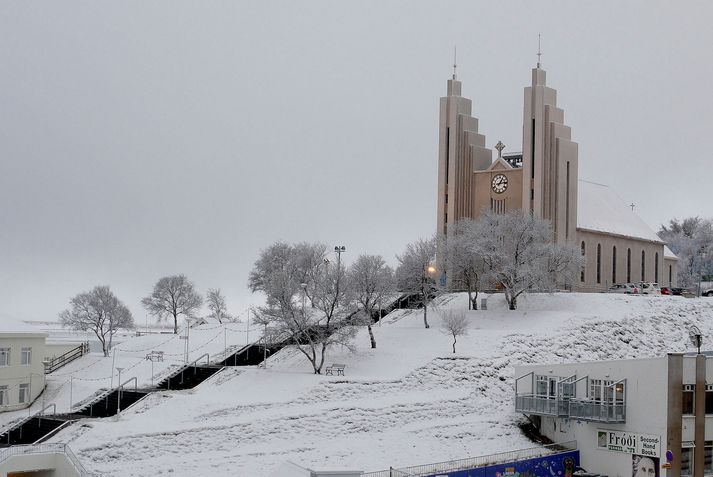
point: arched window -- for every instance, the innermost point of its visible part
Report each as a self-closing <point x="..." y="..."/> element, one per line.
<point x="613" y="265"/>
<point x="584" y="261"/>
<point x="643" y="265"/>
<point x="656" y="267"/>
<point x="670" y="275"/>
<point x="628" y="266"/>
<point x="599" y="263"/>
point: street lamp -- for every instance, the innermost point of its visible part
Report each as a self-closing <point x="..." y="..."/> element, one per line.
<point x="338" y="249"/>
<point x="118" y="395"/>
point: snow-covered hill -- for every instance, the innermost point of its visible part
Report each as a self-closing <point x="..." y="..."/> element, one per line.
<point x="409" y="401"/>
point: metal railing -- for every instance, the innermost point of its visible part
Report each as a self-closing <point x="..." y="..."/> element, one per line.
<point x="52" y="448"/>
<point x="475" y="462"/>
<point x="548" y="406"/>
<point x="589" y="410"/>
<point x="53" y="364"/>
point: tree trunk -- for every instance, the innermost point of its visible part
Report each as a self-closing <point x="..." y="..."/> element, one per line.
<point x="454" y="344"/>
<point x="425" y="315"/>
<point x="470" y="300"/>
<point x="175" y="324"/>
<point x="513" y="303"/>
<point x="102" y="340"/>
<point x="371" y="336"/>
<point x="475" y="300"/>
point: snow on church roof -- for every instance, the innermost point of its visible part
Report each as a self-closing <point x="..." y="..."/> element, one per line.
<point x="599" y="209"/>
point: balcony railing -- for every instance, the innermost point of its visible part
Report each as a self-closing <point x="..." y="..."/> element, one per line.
<point x="588" y="410"/>
<point x="546" y="406"/>
<point x="582" y="409"/>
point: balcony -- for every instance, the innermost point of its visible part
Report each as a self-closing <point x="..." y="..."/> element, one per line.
<point x="594" y="411"/>
<point x="541" y="405"/>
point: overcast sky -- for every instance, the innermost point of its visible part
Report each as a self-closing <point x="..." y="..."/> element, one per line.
<point x="140" y="139"/>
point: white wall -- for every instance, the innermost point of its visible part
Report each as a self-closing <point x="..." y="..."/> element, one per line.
<point x="16" y="373"/>
<point x="646" y="409"/>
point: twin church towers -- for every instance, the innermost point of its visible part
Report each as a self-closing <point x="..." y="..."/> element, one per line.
<point x="542" y="179"/>
<point x="617" y="246"/>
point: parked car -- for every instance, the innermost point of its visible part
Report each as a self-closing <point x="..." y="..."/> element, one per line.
<point x="706" y="288"/>
<point x="649" y="288"/>
<point x="628" y="288"/>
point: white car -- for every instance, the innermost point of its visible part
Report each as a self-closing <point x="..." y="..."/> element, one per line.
<point x="628" y="288"/>
<point x="649" y="288"/>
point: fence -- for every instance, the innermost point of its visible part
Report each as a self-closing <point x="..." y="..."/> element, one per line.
<point x="54" y="364"/>
<point x="475" y="462"/>
<point x="52" y="448"/>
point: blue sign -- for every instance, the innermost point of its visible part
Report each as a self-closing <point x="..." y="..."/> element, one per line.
<point x="556" y="465"/>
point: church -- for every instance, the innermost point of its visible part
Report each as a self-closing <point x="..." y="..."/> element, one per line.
<point x="617" y="246"/>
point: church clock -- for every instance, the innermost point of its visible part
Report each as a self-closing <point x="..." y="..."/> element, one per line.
<point x="499" y="183"/>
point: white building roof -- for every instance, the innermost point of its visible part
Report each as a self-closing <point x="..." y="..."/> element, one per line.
<point x="668" y="253"/>
<point x="9" y="325"/>
<point x="599" y="209"/>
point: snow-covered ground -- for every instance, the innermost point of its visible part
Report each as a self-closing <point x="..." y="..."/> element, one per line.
<point x="409" y="401"/>
<point x="80" y="380"/>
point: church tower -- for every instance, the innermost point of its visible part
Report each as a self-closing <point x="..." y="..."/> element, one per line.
<point x="549" y="160"/>
<point x="461" y="151"/>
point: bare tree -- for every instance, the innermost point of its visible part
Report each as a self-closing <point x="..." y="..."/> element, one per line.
<point x="460" y="261"/>
<point x="277" y="273"/>
<point x="519" y="254"/>
<point x="414" y="274"/>
<point x="173" y="296"/>
<point x="217" y="306"/>
<point x="371" y="281"/>
<point x="454" y="323"/>
<point x="99" y="311"/>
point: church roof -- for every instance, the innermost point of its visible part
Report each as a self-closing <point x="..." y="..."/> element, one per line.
<point x="668" y="253"/>
<point x="599" y="209"/>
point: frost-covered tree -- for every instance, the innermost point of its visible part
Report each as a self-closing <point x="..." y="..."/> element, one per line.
<point x="455" y="324"/>
<point x="215" y="301"/>
<point x="99" y="311"/>
<point x="460" y="261"/>
<point x="371" y="280"/>
<point x="691" y="240"/>
<point x="414" y="275"/>
<point x="171" y="297"/>
<point x="519" y="254"/>
<point x="279" y="275"/>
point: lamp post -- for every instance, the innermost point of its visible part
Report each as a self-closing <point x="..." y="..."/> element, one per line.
<point x="118" y="394"/>
<point x="338" y="249"/>
<point x="430" y="269"/>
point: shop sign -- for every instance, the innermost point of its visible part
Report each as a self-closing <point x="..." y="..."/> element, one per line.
<point x="629" y="443"/>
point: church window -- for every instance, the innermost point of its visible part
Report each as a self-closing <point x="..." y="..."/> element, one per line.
<point x="628" y="266"/>
<point x="643" y="265"/>
<point x="581" y="274"/>
<point x="656" y="267"/>
<point x="613" y="265"/>
<point x="670" y="275"/>
<point x="448" y="159"/>
<point x="599" y="263"/>
<point x="566" y="217"/>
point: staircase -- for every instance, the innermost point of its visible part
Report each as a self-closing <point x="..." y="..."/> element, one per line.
<point x="107" y="404"/>
<point x="188" y="377"/>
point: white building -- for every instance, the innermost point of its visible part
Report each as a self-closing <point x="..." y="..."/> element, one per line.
<point x="22" y="372"/>
<point x="636" y="417"/>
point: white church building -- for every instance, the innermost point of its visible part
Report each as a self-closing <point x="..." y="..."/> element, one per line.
<point x="618" y="247"/>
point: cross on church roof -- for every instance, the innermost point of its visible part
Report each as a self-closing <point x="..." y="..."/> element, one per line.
<point x="500" y="146"/>
<point x="455" y="63"/>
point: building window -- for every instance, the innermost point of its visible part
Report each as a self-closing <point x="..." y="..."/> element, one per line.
<point x="613" y="265"/>
<point x="595" y="389"/>
<point x="599" y="263"/>
<point x="584" y="261"/>
<point x="4" y="356"/>
<point x="709" y="398"/>
<point x="688" y="403"/>
<point x="643" y="265"/>
<point x="628" y="265"/>
<point x="687" y="461"/>
<point x="670" y="275"/>
<point x="26" y="356"/>
<point x="708" y="458"/>
<point x="4" y="398"/>
<point x="24" y="393"/>
<point x="656" y="267"/>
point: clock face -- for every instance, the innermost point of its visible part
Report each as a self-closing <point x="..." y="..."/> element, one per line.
<point x="499" y="184"/>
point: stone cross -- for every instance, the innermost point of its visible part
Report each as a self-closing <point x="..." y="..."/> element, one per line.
<point x="500" y="146"/>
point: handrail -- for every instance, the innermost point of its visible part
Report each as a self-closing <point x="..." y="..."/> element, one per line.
<point x="136" y="384"/>
<point x="50" y="405"/>
<point x="55" y="447"/>
<point x="195" y="361"/>
<point x="54" y="431"/>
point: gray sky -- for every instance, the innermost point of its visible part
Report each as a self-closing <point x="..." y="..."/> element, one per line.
<point x="140" y="139"/>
